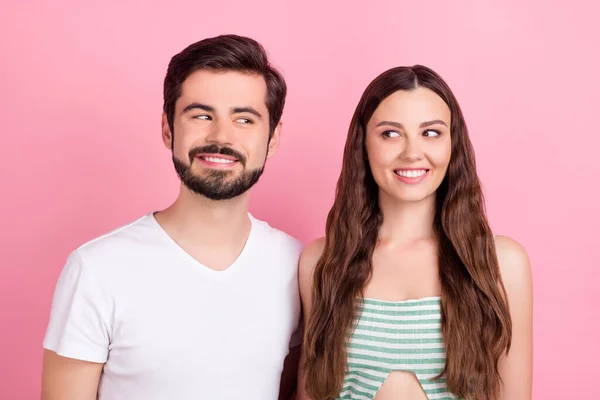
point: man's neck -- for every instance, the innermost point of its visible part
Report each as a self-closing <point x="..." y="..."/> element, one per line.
<point x="193" y="218"/>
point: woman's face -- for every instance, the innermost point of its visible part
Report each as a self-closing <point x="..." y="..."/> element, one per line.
<point x="408" y="144"/>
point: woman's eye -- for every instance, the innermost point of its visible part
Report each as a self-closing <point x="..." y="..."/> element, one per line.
<point x="431" y="133"/>
<point x="391" y="134"/>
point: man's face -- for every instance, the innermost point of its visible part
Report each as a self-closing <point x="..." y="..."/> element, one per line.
<point x="221" y="133"/>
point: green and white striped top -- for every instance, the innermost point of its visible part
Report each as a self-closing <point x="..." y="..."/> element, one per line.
<point x="396" y="336"/>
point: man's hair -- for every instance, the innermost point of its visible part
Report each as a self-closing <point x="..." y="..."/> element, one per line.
<point x="225" y="53"/>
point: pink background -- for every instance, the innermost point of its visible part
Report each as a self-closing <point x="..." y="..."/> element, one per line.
<point x="80" y="97"/>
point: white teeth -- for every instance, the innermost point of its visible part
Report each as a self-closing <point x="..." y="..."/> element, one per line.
<point x="218" y="160"/>
<point x="411" y="174"/>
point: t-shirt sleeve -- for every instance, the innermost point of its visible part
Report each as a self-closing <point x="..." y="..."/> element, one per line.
<point x="79" y="325"/>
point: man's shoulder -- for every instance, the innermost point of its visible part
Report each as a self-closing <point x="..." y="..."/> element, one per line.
<point x="278" y="238"/>
<point x="118" y="241"/>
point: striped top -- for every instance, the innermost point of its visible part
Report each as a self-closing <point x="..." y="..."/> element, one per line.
<point x="395" y="336"/>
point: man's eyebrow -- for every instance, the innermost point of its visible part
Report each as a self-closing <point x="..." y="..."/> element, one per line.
<point x="251" y="110"/>
<point x="195" y="106"/>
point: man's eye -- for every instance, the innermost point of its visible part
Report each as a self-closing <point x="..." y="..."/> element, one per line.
<point x="203" y="117"/>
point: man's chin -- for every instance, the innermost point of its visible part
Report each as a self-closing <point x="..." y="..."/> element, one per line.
<point x="208" y="173"/>
<point x="216" y="194"/>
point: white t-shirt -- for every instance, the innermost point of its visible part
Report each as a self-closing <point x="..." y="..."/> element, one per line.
<point x="168" y="327"/>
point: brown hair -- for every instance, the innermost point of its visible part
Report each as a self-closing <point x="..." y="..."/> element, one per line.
<point x="225" y="53"/>
<point x="476" y="325"/>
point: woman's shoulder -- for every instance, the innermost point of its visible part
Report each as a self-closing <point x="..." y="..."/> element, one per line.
<point x="512" y="256"/>
<point x="308" y="260"/>
<point x="310" y="255"/>
<point x="514" y="264"/>
<point x="313" y="251"/>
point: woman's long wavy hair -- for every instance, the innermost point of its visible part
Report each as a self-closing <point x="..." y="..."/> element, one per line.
<point x="476" y="325"/>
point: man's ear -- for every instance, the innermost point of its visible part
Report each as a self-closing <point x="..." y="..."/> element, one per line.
<point x="167" y="135"/>
<point x="274" y="141"/>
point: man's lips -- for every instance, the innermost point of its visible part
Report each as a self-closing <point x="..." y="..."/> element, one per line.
<point x="216" y="160"/>
<point x="216" y="157"/>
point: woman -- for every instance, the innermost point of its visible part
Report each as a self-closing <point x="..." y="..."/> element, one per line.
<point x="410" y="295"/>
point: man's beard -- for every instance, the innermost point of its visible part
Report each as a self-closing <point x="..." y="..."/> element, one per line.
<point x="214" y="184"/>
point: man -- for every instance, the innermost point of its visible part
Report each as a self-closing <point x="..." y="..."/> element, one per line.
<point x="200" y="300"/>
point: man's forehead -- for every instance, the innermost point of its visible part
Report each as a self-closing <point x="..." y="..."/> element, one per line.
<point x="238" y="82"/>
